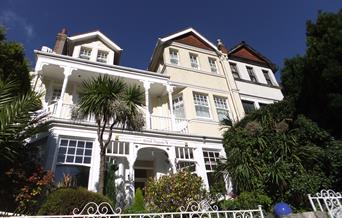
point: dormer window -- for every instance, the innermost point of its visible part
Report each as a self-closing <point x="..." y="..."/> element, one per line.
<point x="173" y="56"/>
<point x="194" y="61"/>
<point x="85" y="53"/>
<point x="102" y="56"/>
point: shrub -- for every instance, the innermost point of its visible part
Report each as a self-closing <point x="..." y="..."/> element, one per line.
<point x="170" y="192"/>
<point x="247" y="200"/>
<point x="64" y="200"/>
<point x="110" y="182"/>
<point x="138" y="205"/>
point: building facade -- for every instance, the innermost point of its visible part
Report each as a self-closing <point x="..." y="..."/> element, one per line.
<point x="190" y="86"/>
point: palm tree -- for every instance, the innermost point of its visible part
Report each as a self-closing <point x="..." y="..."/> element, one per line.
<point x="19" y="119"/>
<point x="114" y="104"/>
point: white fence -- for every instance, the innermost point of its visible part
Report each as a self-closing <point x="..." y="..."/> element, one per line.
<point x="193" y="210"/>
<point x="329" y="201"/>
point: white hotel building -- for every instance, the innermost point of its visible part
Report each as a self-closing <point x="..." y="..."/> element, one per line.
<point x="190" y="85"/>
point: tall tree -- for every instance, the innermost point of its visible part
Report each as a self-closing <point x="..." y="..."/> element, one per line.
<point x="13" y="65"/>
<point x="114" y="104"/>
<point x="314" y="80"/>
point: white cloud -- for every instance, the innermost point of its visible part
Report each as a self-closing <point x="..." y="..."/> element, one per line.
<point x="12" y="20"/>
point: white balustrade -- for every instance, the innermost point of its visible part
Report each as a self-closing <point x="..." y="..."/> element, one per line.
<point x="160" y="123"/>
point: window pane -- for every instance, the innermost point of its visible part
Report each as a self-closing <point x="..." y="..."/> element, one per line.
<point x="251" y="74"/>
<point x="72" y="143"/>
<point x="201" y="105"/>
<point x="80" y="144"/>
<point x="248" y="106"/>
<point x="87" y="152"/>
<point x="234" y="70"/>
<point x="79" y="151"/>
<point x="79" y="173"/>
<point x="74" y="149"/>
<point x="64" y="142"/>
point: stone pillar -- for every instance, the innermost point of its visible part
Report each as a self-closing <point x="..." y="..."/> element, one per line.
<point x="67" y="73"/>
<point x="147" y="86"/>
<point x="173" y="119"/>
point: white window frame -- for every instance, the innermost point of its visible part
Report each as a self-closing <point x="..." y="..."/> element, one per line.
<point x="102" y="56"/>
<point x="177" y="103"/>
<point x="213" y="65"/>
<point x="118" y="148"/>
<point x="67" y="147"/>
<point x="185" y="153"/>
<point x="221" y="104"/>
<point x="254" y="105"/>
<point x="235" y="66"/>
<point x="200" y="105"/>
<point x="250" y="70"/>
<point x="173" y="51"/>
<point x="211" y="161"/>
<point x="270" y="82"/>
<point x="84" y="55"/>
<point x="194" y="57"/>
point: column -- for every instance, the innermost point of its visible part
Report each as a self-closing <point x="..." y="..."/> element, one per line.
<point x="200" y="168"/>
<point x="172" y="158"/>
<point x="130" y="189"/>
<point x="173" y="119"/>
<point x="147" y="86"/>
<point x="67" y="73"/>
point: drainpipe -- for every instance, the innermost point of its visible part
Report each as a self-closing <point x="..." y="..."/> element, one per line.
<point x="222" y="57"/>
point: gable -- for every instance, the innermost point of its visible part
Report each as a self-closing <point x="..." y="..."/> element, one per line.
<point x="192" y="40"/>
<point x="246" y="54"/>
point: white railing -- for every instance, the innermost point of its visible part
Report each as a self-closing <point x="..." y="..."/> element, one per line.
<point x="165" y="124"/>
<point x="162" y="123"/>
<point x="327" y="200"/>
<point x="192" y="210"/>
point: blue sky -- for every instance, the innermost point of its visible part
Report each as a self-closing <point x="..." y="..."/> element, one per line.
<point x="274" y="28"/>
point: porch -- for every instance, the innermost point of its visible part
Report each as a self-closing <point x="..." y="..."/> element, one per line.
<point x="61" y="78"/>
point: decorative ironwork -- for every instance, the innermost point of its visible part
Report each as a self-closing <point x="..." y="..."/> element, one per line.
<point x="331" y="202"/>
<point x="92" y="208"/>
<point x="202" y="206"/>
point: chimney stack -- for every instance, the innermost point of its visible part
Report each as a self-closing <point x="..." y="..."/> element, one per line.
<point x="221" y="47"/>
<point x="61" y="39"/>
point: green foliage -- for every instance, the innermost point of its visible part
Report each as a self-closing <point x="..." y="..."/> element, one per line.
<point x="110" y="182"/>
<point x="247" y="200"/>
<point x="13" y="65"/>
<point x="170" y="192"/>
<point x="138" y="205"/>
<point x="114" y="104"/>
<point x="19" y="121"/>
<point x="64" y="200"/>
<point x="283" y="155"/>
<point x="314" y="80"/>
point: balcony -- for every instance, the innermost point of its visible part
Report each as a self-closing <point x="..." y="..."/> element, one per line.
<point x="157" y="123"/>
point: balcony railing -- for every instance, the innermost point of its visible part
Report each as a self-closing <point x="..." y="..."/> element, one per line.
<point x="160" y="123"/>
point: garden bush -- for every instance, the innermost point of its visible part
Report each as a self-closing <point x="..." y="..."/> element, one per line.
<point x="170" y="192"/>
<point x="247" y="200"/>
<point x="138" y="205"/>
<point x="64" y="200"/>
